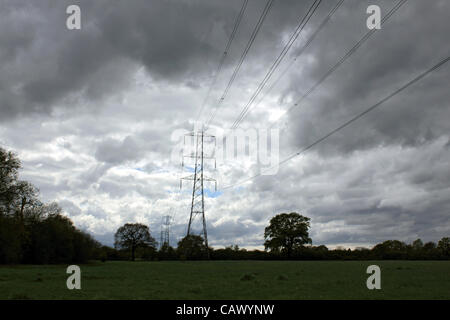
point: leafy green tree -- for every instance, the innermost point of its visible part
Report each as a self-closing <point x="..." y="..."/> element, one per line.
<point x="33" y="232"/>
<point x="16" y="198"/>
<point x="85" y="247"/>
<point x="417" y="244"/>
<point x="429" y="246"/>
<point x="9" y="172"/>
<point x="192" y="247"/>
<point x="133" y="235"/>
<point x="286" y="232"/>
<point x="10" y="241"/>
<point x="444" y="246"/>
<point x="147" y="252"/>
<point x="390" y="249"/>
<point x="167" y="252"/>
<point x="53" y="238"/>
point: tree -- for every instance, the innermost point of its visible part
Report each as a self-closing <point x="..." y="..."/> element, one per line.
<point x="10" y="241"/>
<point x="31" y="231"/>
<point x="133" y="235"/>
<point x="390" y="249"/>
<point x="429" y="246"/>
<point x="166" y="252"/>
<point x="286" y="232"/>
<point x="9" y="172"/>
<point x="417" y="244"/>
<point x="192" y="247"/>
<point x="147" y="252"/>
<point x="444" y="246"/>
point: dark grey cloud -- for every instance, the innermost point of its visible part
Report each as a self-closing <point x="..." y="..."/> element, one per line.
<point x="412" y="41"/>
<point x="114" y="151"/>
<point x="48" y="63"/>
<point x="176" y="42"/>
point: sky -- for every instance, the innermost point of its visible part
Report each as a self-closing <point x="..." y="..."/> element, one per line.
<point x="97" y="116"/>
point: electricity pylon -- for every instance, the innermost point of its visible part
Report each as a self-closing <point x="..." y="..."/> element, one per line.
<point x="198" y="193"/>
<point x="165" y="232"/>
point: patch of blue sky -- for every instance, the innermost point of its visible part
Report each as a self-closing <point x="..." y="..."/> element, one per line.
<point x="212" y="194"/>
<point x="190" y="169"/>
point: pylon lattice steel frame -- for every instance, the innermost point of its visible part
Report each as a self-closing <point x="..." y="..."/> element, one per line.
<point x="165" y="231"/>
<point x="198" y="194"/>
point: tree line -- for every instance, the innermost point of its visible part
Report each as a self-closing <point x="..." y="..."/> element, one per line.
<point x="286" y="238"/>
<point x="32" y="231"/>
<point x="38" y="233"/>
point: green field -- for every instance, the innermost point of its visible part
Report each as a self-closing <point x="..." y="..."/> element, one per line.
<point x="230" y="280"/>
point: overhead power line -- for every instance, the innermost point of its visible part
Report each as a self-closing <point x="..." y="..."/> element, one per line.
<point x="347" y="123"/>
<point x="242" y="58"/>
<point x="341" y="61"/>
<point x="300" y="52"/>
<point x="278" y="60"/>
<point x="224" y="55"/>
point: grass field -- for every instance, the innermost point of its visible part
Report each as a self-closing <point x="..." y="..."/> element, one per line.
<point x="230" y="280"/>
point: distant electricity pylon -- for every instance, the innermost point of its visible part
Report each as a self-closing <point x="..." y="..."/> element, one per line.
<point x="165" y="232"/>
<point x="198" y="193"/>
